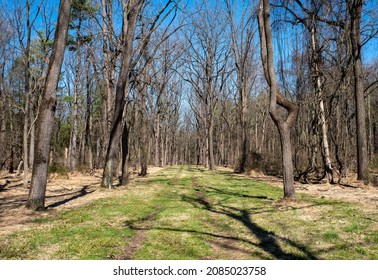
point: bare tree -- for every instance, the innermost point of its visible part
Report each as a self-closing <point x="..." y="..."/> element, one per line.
<point x="242" y="35"/>
<point x="4" y="54"/>
<point x="283" y="125"/>
<point x="310" y="22"/>
<point x="36" y="199"/>
<point x="131" y="10"/>
<point x="351" y="24"/>
<point x="109" y="49"/>
<point x="207" y="58"/>
<point x="144" y="56"/>
<point x="23" y="23"/>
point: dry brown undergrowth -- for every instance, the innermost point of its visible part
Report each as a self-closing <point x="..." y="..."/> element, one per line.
<point x="350" y="190"/>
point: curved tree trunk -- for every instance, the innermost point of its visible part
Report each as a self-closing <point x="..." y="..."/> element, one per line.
<point x="284" y="125"/>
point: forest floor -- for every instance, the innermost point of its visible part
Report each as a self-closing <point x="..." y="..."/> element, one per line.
<point x="231" y="216"/>
<point x="350" y="190"/>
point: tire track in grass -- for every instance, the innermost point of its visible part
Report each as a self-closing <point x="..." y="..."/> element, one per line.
<point x="141" y="227"/>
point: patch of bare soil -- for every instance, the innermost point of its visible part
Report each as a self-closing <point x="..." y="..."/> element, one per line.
<point x="63" y="192"/>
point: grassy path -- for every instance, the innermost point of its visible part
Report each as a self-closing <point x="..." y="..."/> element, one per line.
<point x="186" y="212"/>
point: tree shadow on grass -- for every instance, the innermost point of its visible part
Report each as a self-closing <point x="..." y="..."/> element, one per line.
<point x="196" y="169"/>
<point x="16" y="201"/>
<point x="75" y="195"/>
<point x="7" y="186"/>
<point x="268" y="240"/>
<point x="237" y="194"/>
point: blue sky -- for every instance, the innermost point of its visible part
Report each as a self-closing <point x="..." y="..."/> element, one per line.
<point x="370" y="50"/>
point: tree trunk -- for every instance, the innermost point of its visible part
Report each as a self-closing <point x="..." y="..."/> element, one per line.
<point x="88" y="156"/>
<point x="206" y="150"/>
<point x="36" y="199"/>
<point x="318" y="85"/>
<point x="2" y="128"/>
<point x="131" y="12"/>
<point x="125" y="155"/>
<point x="222" y="146"/>
<point x="143" y="118"/>
<point x="25" y="136"/>
<point x="157" y="161"/>
<point x="355" y="11"/>
<point x="287" y="161"/>
<point x="11" y="161"/>
<point x="243" y="129"/>
<point x="74" y="116"/>
<point x="3" y="154"/>
<point x="32" y="130"/>
<point x="143" y="138"/>
<point x="211" y="159"/>
<point x="27" y="98"/>
<point x="109" y="71"/>
<point x="163" y="150"/>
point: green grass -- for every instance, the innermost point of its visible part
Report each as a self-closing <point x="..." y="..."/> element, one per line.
<point x="187" y="212"/>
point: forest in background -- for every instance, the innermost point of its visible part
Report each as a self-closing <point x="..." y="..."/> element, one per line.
<point x="181" y="82"/>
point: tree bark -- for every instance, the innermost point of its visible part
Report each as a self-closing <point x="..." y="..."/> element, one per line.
<point x="36" y="199"/>
<point x="131" y="12"/>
